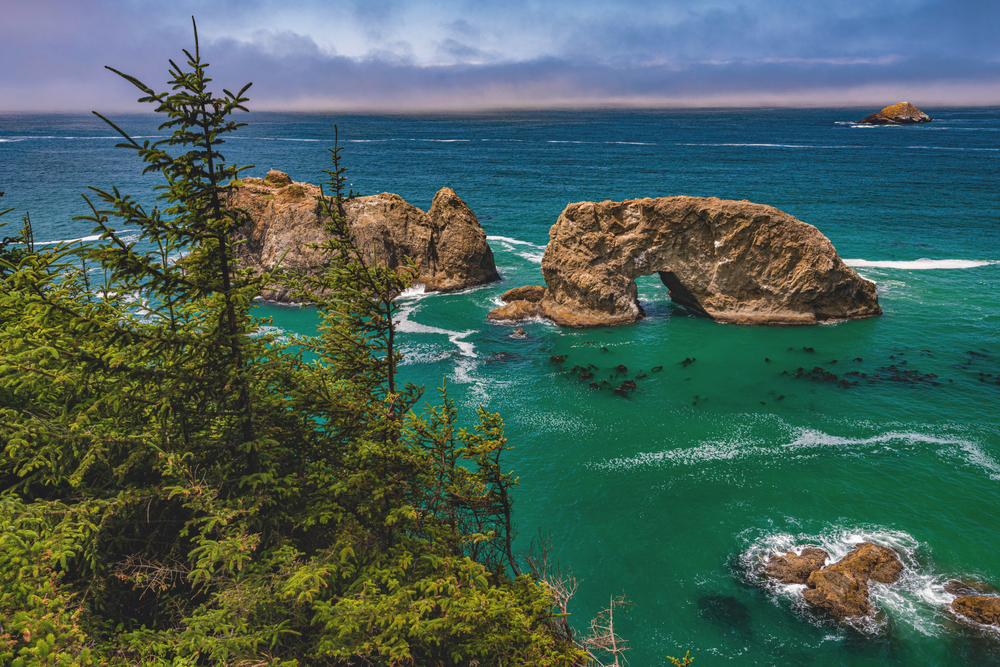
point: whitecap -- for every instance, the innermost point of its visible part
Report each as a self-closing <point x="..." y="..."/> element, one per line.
<point x="535" y="257"/>
<point x="95" y="237"/>
<point x="953" y="148"/>
<point x="405" y="325"/>
<point x="511" y="241"/>
<point x="741" y="446"/>
<point x="920" y="264"/>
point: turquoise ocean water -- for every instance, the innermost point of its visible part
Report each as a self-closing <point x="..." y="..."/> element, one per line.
<point x="672" y="495"/>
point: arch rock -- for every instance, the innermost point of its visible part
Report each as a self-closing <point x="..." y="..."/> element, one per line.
<point x="734" y="261"/>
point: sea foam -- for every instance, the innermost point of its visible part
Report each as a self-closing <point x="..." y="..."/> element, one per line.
<point x="920" y="264"/>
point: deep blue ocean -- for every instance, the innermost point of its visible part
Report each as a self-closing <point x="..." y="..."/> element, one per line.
<point x="673" y="495"/>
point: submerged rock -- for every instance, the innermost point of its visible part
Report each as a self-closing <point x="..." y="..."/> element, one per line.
<point x="792" y="568"/>
<point x="842" y="588"/>
<point x="960" y="587"/>
<point x="981" y="609"/>
<point x="903" y="113"/>
<point x="447" y="243"/>
<point x="727" y="612"/>
<point x="734" y="261"/>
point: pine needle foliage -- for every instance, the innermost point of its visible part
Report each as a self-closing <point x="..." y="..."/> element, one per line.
<point x="177" y="488"/>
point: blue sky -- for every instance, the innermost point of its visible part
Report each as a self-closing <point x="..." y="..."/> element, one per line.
<point x="412" y="55"/>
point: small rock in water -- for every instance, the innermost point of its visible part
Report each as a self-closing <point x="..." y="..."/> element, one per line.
<point x="962" y="587"/>
<point x="688" y="361"/>
<point x="657" y="369"/>
<point x="983" y="609"/>
<point x="519" y="333"/>
<point x="620" y="368"/>
<point x="558" y="359"/>
<point x="503" y="357"/>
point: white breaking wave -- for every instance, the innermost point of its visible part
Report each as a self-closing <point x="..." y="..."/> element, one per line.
<point x="507" y="239"/>
<point x="921" y="264"/>
<point x="95" y="237"/>
<point x="953" y="148"/>
<point x="406" y="325"/>
<point x="534" y="255"/>
<point x="743" y="447"/>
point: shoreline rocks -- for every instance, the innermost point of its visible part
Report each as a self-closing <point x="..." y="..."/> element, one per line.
<point x="841" y="588"/>
<point x="902" y="113"/>
<point x="447" y="242"/>
<point x="733" y="261"/>
<point x="982" y="609"/>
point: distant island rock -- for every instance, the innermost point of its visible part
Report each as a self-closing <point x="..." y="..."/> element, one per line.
<point x="903" y="113"/>
<point x="447" y="242"/>
<point x="734" y="261"/>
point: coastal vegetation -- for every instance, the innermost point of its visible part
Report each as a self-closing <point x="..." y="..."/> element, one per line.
<point x="178" y="487"/>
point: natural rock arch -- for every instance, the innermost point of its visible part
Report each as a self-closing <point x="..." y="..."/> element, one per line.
<point x="734" y="261"/>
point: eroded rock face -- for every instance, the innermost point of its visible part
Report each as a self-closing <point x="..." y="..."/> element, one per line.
<point x="842" y="588"/>
<point x="978" y="608"/>
<point x="734" y="261"/>
<point x="792" y="568"/>
<point x="903" y="113"/>
<point x="447" y="243"/>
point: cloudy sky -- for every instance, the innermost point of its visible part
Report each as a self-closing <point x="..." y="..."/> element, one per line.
<point x="412" y="55"/>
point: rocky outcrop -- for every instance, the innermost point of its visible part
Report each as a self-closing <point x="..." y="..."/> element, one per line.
<point x="520" y="303"/>
<point x="903" y="113"/>
<point x="793" y="568"/>
<point x="842" y="588"/>
<point x="447" y="243"/>
<point x="734" y="261"/>
<point x="978" y="608"/>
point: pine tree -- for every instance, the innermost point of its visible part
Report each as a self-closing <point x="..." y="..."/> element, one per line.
<point x="179" y="488"/>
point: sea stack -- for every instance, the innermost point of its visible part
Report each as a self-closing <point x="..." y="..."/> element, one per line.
<point x="903" y="113"/>
<point x="733" y="261"/>
<point x="447" y="243"/>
